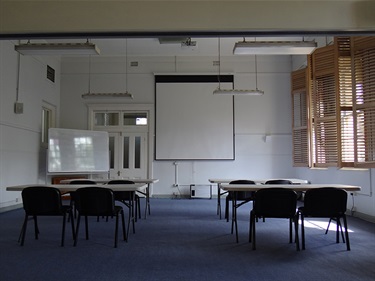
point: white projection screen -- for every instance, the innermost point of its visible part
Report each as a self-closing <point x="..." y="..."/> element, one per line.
<point x="77" y="151"/>
<point x="192" y="123"/>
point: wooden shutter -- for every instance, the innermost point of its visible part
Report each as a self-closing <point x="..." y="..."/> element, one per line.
<point x="332" y="105"/>
<point x="346" y="126"/>
<point x="363" y="55"/>
<point x="300" y="123"/>
<point x="324" y="105"/>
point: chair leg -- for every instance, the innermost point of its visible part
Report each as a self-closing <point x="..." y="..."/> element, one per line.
<point x="290" y="230"/>
<point x="329" y="223"/>
<point x="296" y="219"/>
<point x="77" y="230"/>
<point x="303" y="232"/>
<point x="116" y="230"/>
<point x="139" y="207"/>
<point x="250" y="225"/>
<point x="36" y="227"/>
<point x="23" y="230"/>
<point x="226" y="213"/>
<point x="63" y="231"/>
<point x="253" y="240"/>
<point x="123" y="226"/>
<point x="346" y="232"/>
<point x="87" y="228"/>
<point x="72" y="223"/>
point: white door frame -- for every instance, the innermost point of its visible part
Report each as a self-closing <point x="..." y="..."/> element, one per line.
<point x="149" y="108"/>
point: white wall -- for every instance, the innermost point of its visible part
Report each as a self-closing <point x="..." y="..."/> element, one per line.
<point x="255" y="116"/>
<point x="21" y="158"/>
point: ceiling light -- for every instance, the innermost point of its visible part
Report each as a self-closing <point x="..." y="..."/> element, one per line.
<point x="257" y="92"/>
<point x="107" y="95"/>
<point x="57" y="49"/>
<point x="238" y="92"/>
<point x="274" y="48"/>
<point x="125" y="94"/>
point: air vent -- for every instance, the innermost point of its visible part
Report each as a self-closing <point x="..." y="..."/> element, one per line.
<point x="216" y="63"/>
<point x="134" y="63"/>
<point x="50" y="74"/>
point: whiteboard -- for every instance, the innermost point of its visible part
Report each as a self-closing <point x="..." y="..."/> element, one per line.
<point x="191" y="122"/>
<point x="77" y="151"/>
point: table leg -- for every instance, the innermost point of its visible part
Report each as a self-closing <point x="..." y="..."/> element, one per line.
<point x="147" y="201"/>
<point x="131" y="212"/>
<point x="218" y="212"/>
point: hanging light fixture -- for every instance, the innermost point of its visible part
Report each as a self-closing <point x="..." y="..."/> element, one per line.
<point x="57" y="49"/>
<point x="274" y="47"/>
<point x="126" y="94"/>
<point x="238" y="92"/>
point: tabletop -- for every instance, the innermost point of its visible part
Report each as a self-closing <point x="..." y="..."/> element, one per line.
<point x="73" y="187"/>
<point x="107" y="180"/>
<point x="258" y="181"/>
<point x="295" y="187"/>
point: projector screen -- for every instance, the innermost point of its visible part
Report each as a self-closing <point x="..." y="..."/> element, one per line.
<point x="191" y="122"/>
<point x="77" y="151"/>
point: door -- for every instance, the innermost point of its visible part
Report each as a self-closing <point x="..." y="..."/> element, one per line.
<point x="128" y="155"/>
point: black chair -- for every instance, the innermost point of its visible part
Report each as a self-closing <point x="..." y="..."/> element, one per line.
<point x="274" y="203"/>
<point x="125" y="197"/>
<point x="72" y="193"/>
<point x="44" y="201"/>
<point x="325" y="202"/>
<point x="242" y="197"/>
<point x="280" y="181"/>
<point x="98" y="201"/>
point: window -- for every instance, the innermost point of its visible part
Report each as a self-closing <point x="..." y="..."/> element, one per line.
<point x="340" y="106"/>
<point x="300" y="86"/>
<point x="364" y="100"/>
<point x="48" y="121"/>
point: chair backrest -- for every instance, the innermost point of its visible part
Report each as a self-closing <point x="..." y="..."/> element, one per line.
<point x="82" y="182"/>
<point x="42" y="201"/>
<point x="243" y="195"/>
<point x="275" y="202"/>
<point x="242" y="182"/>
<point x="280" y="181"/>
<point x="95" y="201"/>
<point x="325" y="202"/>
<point x="121" y="182"/>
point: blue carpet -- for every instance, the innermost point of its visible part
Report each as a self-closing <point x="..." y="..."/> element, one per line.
<point x="184" y="239"/>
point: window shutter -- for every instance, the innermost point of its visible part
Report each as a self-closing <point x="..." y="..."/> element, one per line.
<point x="346" y="126"/>
<point x="300" y="124"/>
<point x="332" y="105"/>
<point x="364" y="100"/>
<point x="324" y="107"/>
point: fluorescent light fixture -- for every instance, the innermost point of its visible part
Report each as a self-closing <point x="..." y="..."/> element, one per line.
<point x="56" y="49"/>
<point x="107" y="95"/>
<point x="274" y="48"/>
<point x="256" y="92"/>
